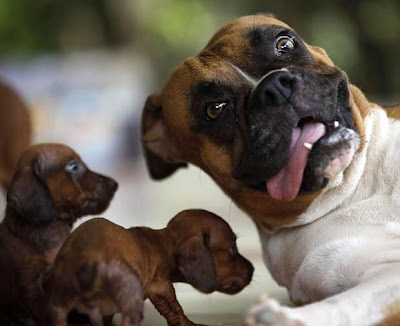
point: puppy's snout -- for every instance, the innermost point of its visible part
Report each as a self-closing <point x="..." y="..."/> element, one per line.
<point x="110" y="185"/>
<point x="275" y="88"/>
<point x="234" y="288"/>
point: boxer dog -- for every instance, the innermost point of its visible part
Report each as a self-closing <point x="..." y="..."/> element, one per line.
<point x="301" y="150"/>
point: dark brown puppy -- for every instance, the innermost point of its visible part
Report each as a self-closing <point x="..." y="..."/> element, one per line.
<point x="15" y="131"/>
<point x="51" y="188"/>
<point x="103" y="268"/>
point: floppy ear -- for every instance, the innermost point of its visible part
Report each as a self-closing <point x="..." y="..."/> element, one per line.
<point x="29" y="195"/>
<point x="159" y="151"/>
<point x="196" y="263"/>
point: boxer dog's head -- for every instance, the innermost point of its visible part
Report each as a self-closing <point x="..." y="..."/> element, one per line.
<point x="267" y="116"/>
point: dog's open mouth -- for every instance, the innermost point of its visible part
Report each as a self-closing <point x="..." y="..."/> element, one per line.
<point x="318" y="151"/>
<point x="286" y="183"/>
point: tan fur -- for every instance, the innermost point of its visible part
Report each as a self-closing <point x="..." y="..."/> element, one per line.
<point x="361" y="108"/>
<point x="393" y="111"/>
<point x="392" y="315"/>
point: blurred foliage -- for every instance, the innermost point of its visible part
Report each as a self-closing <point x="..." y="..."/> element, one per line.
<point x="30" y="27"/>
<point x="361" y="36"/>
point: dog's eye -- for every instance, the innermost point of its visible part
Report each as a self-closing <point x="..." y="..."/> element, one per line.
<point x="214" y="110"/>
<point x="72" y="166"/>
<point x="284" y="44"/>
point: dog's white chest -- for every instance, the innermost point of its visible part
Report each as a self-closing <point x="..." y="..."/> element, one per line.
<point x="349" y="227"/>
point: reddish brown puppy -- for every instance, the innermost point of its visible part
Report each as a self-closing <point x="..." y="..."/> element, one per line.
<point x="15" y="131"/>
<point x="51" y="188"/>
<point x="197" y="247"/>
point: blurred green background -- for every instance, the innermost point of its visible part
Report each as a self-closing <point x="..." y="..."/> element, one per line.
<point x="362" y="37"/>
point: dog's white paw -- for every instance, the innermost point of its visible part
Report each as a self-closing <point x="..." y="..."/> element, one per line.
<point x="268" y="312"/>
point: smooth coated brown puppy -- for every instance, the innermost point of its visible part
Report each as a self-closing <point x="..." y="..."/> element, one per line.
<point x="103" y="268"/>
<point x="50" y="189"/>
<point x="15" y="132"/>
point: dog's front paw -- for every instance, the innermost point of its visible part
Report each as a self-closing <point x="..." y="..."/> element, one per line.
<point x="268" y="312"/>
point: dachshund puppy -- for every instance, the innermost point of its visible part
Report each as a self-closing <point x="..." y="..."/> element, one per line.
<point x="103" y="268"/>
<point x="50" y="189"/>
<point x="15" y="132"/>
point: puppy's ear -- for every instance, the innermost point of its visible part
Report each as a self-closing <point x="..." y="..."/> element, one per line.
<point x="196" y="263"/>
<point x="159" y="150"/>
<point x="29" y="195"/>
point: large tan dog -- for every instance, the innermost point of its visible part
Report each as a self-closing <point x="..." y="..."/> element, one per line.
<point x="303" y="152"/>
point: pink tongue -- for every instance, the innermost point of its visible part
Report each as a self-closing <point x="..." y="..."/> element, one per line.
<point x="286" y="184"/>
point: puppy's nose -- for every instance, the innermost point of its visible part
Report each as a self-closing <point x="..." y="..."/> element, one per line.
<point x="275" y="88"/>
<point x="110" y="184"/>
<point x="113" y="185"/>
<point x="250" y="271"/>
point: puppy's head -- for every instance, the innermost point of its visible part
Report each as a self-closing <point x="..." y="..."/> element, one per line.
<point x="244" y="107"/>
<point x="206" y="253"/>
<point x="52" y="182"/>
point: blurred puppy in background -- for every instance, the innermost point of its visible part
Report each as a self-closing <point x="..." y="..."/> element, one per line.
<point x="15" y="136"/>
<point x="50" y="189"/>
<point x="15" y="131"/>
<point x="103" y="268"/>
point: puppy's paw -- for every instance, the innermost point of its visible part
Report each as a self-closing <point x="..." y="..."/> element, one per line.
<point x="268" y="312"/>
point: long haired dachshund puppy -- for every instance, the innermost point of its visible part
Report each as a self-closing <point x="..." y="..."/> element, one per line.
<point x="51" y="188"/>
<point x="103" y="268"/>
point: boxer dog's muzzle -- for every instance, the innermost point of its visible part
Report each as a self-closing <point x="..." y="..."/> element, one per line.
<point x="298" y="121"/>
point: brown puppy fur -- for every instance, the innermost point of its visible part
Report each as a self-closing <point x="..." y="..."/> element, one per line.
<point x="50" y="189"/>
<point x="103" y="268"/>
<point x="230" y="59"/>
<point x="15" y="132"/>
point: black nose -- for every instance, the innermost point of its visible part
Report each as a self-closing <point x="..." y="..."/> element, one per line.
<point x="113" y="185"/>
<point x="250" y="271"/>
<point x="110" y="184"/>
<point x="275" y="88"/>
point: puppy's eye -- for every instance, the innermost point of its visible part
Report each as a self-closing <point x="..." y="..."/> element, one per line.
<point x="233" y="249"/>
<point x="72" y="166"/>
<point x="214" y="110"/>
<point x="284" y="44"/>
